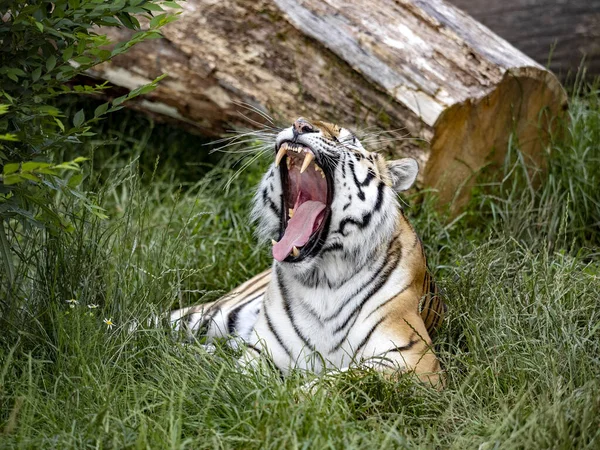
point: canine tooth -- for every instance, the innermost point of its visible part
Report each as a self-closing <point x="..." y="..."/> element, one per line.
<point x="273" y="242"/>
<point x="280" y="154"/>
<point x="291" y="212"/>
<point x="295" y="251"/>
<point x="307" y="160"/>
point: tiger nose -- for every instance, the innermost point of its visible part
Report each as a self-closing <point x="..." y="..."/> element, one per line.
<point x="302" y="126"/>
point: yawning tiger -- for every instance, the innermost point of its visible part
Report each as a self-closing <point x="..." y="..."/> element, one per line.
<point x="349" y="282"/>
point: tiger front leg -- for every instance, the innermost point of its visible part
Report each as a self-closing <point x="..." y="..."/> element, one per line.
<point x="411" y="351"/>
<point x="420" y="362"/>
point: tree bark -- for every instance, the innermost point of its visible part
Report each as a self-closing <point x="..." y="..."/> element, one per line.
<point x="421" y="66"/>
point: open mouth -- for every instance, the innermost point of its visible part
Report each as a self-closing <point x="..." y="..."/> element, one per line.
<point x="307" y="194"/>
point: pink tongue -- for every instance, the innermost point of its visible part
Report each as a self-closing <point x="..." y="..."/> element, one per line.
<point x="299" y="228"/>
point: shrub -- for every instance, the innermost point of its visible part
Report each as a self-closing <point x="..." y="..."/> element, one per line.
<point x="45" y="49"/>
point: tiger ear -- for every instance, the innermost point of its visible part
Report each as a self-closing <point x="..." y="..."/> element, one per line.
<point x="403" y="173"/>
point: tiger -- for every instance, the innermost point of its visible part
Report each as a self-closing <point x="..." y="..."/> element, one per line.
<point x="349" y="284"/>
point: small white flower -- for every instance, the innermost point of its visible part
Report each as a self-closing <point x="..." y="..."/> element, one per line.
<point x="109" y="323"/>
<point x="92" y="306"/>
<point x="72" y="303"/>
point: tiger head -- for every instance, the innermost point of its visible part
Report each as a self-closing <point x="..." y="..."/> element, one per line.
<point x="326" y="198"/>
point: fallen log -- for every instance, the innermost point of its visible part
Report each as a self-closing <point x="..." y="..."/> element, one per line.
<point x="422" y="66"/>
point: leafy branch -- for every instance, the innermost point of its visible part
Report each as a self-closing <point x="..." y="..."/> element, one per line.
<point x="44" y="47"/>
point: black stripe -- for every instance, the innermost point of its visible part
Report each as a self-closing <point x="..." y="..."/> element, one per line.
<point x="258" y="280"/>
<point x="355" y="313"/>
<point x="424" y="304"/>
<point x="428" y="312"/>
<point x="269" y="361"/>
<point x="332" y="248"/>
<point x="217" y="306"/>
<point x="270" y="202"/>
<point x="252" y="347"/>
<point x="376" y="273"/>
<point x="430" y="298"/>
<point x="233" y="314"/>
<point x="379" y="200"/>
<point x="360" y="184"/>
<point x="259" y="288"/>
<point x="383" y="361"/>
<point x="368" y="336"/>
<point x="388" y="300"/>
<point x="437" y="318"/>
<point x="274" y="333"/>
<point x="336" y="314"/>
<point x="408" y="346"/>
<point x="205" y="322"/>
<point x="366" y="218"/>
<point x="231" y="318"/>
<point x="425" y="278"/>
<point x="363" y="223"/>
<point x="288" y="310"/>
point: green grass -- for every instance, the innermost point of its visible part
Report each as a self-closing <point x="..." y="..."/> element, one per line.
<point x="520" y="345"/>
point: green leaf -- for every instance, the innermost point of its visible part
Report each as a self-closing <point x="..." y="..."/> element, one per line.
<point x="35" y="75"/>
<point x="67" y="53"/>
<point x="50" y="63"/>
<point x="47" y="170"/>
<point x="69" y="165"/>
<point x="49" y="110"/>
<point x="152" y="7"/>
<point x="157" y="21"/>
<point x="30" y="177"/>
<point x="100" y="110"/>
<point x="83" y="59"/>
<point x="75" y="180"/>
<point x="9" y="137"/>
<point x="30" y="166"/>
<point x="117" y="101"/>
<point x="12" y="179"/>
<point x="39" y="26"/>
<point x="79" y="118"/>
<point x="126" y="20"/>
<point x="10" y="168"/>
<point x="60" y="124"/>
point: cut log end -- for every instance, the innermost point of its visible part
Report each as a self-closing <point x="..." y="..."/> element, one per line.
<point x="474" y="134"/>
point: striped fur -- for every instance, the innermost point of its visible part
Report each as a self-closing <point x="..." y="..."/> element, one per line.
<point x="366" y="297"/>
